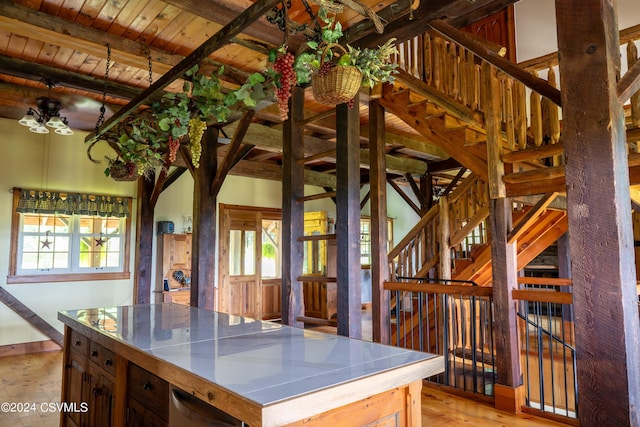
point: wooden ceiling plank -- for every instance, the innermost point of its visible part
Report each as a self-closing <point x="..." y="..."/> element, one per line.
<point x="215" y="42"/>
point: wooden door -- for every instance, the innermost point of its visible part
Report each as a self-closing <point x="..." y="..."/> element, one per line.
<point x="249" y="262"/>
<point x="239" y="262"/>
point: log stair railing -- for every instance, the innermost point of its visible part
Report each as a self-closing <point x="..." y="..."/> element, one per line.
<point x="535" y="228"/>
<point x="441" y="98"/>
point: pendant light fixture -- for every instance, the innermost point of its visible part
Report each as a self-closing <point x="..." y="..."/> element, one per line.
<point x="46" y="115"/>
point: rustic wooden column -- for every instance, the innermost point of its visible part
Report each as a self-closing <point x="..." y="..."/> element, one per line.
<point x="379" y="233"/>
<point x="508" y="390"/>
<point x="601" y="235"/>
<point x="292" y="211"/>
<point x="144" y="241"/>
<point x="203" y="259"/>
<point x="444" y="237"/>
<point x="348" y="220"/>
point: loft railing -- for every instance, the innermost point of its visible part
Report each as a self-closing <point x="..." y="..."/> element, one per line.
<point x="530" y="122"/>
<point x="546" y="331"/>
<point x="417" y="254"/>
<point x="455" y="320"/>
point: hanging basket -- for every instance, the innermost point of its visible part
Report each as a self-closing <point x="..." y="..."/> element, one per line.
<point x="120" y="172"/>
<point x="339" y="85"/>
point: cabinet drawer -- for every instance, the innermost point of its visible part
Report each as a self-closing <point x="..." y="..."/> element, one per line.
<point x="109" y="361"/>
<point x="149" y="390"/>
<point x="95" y="353"/>
<point x="79" y="343"/>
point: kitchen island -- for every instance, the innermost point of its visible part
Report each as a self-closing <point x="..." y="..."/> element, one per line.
<point x="145" y="364"/>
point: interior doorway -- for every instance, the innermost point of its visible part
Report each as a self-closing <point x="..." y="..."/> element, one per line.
<point x="250" y="261"/>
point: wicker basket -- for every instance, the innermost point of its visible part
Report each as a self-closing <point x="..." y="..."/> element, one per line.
<point x="120" y="172"/>
<point x="337" y="86"/>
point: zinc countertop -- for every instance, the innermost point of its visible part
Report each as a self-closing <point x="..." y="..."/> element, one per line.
<point x="261" y="361"/>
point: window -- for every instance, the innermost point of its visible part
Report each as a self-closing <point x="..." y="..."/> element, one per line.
<point x="365" y="240"/>
<point x="66" y="237"/>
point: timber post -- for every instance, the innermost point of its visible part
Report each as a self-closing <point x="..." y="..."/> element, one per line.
<point x="348" y="219"/>
<point x="379" y="234"/>
<point x="292" y="211"/>
<point x="600" y="228"/>
<point x="203" y="269"/>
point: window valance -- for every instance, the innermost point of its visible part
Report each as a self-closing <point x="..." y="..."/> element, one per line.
<point x="62" y="203"/>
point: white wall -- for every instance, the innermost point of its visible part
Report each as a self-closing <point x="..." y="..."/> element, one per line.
<point x="50" y="162"/>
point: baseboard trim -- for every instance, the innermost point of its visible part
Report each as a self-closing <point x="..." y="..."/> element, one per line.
<point x="28" y="348"/>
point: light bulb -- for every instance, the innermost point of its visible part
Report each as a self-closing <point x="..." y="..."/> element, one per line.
<point x="28" y="120"/>
<point x="64" y="131"/>
<point x="55" y="122"/>
<point x="39" y="128"/>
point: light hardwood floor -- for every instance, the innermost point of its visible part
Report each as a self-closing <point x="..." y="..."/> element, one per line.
<point x="35" y="378"/>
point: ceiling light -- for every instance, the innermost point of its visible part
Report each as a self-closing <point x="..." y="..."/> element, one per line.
<point x="47" y="113"/>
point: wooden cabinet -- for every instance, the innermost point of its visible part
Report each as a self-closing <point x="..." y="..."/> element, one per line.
<point x="182" y="296"/>
<point x="173" y="255"/>
<point x="321" y="297"/>
<point x="75" y="386"/>
<point x="88" y="383"/>
<point x="148" y="399"/>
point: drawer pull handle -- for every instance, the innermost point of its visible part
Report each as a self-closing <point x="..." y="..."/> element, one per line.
<point x="94" y="353"/>
<point x="147" y="386"/>
<point x="108" y="362"/>
<point x="78" y="342"/>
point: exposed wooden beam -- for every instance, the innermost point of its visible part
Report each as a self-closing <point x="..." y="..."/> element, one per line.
<point x="629" y="83"/>
<point x="537" y="84"/>
<point x="270" y="139"/>
<point x="215" y="42"/>
<point x="531" y="217"/>
<point x="454" y="182"/>
<point x="29" y="70"/>
<point x="404" y="25"/>
<point x="416" y="191"/>
<point x="229" y="158"/>
<point x="159" y="184"/>
<point x="173" y="177"/>
<point x="404" y="196"/>
<point x="30" y="316"/>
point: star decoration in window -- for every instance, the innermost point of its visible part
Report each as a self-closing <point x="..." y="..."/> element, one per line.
<point x="100" y="241"/>
<point x="46" y="243"/>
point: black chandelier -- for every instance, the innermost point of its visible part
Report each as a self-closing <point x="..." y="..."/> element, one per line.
<point x="47" y="115"/>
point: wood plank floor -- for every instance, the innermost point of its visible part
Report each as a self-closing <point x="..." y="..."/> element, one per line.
<point x="36" y="378"/>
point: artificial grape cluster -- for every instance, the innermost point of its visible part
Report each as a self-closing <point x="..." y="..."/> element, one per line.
<point x="131" y="168"/>
<point x="196" y="130"/>
<point x="284" y="66"/>
<point x="325" y="68"/>
<point x="174" y="144"/>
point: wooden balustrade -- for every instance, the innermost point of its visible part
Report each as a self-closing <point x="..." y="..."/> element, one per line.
<point x="529" y="120"/>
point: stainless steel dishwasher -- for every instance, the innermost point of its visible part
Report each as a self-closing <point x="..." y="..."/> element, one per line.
<point x="189" y="411"/>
